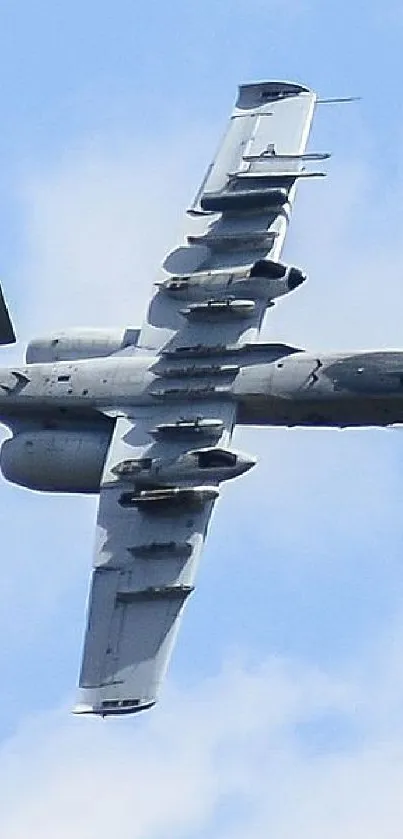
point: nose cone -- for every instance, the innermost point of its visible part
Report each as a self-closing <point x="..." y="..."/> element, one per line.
<point x="295" y="278"/>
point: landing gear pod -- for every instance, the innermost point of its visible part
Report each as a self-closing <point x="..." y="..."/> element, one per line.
<point x="270" y="270"/>
<point x="232" y="200"/>
<point x="214" y="463"/>
<point x="265" y="278"/>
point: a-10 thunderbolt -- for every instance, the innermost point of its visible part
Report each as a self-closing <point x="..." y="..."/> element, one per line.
<point x="144" y="417"/>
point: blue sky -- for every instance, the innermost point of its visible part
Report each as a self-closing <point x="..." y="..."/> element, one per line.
<point x="282" y="710"/>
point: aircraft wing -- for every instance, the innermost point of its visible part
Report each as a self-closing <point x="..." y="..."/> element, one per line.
<point x="145" y="563"/>
<point x="238" y="218"/>
<point x="210" y="299"/>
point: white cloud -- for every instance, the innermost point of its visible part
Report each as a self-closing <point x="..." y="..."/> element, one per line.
<point x="237" y="739"/>
<point x="97" y="227"/>
<point x="346" y="235"/>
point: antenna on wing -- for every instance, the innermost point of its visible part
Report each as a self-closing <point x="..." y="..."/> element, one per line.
<point x="338" y="100"/>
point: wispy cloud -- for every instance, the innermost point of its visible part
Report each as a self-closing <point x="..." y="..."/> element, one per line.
<point x="238" y="740"/>
<point x="346" y="234"/>
<point x="97" y="226"/>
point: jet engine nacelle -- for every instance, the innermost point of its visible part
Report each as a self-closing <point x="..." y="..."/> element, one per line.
<point x="56" y="461"/>
<point x="78" y="344"/>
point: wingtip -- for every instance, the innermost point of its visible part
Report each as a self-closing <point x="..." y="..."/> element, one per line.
<point x="255" y="94"/>
<point x="82" y="708"/>
<point x="112" y="708"/>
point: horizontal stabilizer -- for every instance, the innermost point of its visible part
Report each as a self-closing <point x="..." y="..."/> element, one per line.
<point x="7" y="334"/>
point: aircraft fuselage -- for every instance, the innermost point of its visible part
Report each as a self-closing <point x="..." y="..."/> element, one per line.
<point x="357" y="389"/>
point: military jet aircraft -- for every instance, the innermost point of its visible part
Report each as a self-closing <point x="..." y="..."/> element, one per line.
<point x="144" y="417"/>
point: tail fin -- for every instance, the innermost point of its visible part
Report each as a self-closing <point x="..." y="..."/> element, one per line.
<point x="7" y="334"/>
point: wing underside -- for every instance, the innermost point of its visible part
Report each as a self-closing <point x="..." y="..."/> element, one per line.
<point x="211" y="295"/>
<point x="147" y="551"/>
<point x="238" y="218"/>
